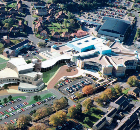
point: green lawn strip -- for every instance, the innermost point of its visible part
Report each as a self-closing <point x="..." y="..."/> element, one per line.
<point x="85" y="125"/>
<point x="22" y="97"/>
<point x="16" y="41"/>
<point x="16" y="97"/>
<point x="126" y="91"/>
<point x="35" y="16"/>
<point x="2" y="66"/>
<point x="13" y="5"/>
<point x="43" y="96"/>
<point x="48" y="74"/>
<point x="2" y="60"/>
<point x="43" y="59"/>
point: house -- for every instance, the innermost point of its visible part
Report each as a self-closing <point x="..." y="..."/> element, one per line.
<point x="129" y="122"/>
<point x="52" y="6"/>
<point x="41" y="12"/>
<point x="51" y="18"/>
<point x="121" y="103"/>
<point x="65" y="35"/>
<point x="2" y="16"/>
<point x="19" y="6"/>
<point x="52" y="11"/>
<point x="56" y="35"/>
<point x="6" y="39"/>
<point x="15" y="50"/>
<point x="12" y="11"/>
<point x="134" y="91"/>
<point x="106" y="119"/>
<point x="79" y="33"/>
<point x="4" y="30"/>
<point x="2" y="9"/>
<point x="14" y="29"/>
<point x="38" y="27"/>
<point x="40" y="4"/>
<point x="61" y="16"/>
<point x="21" y="25"/>
<point x="44" y="33"/>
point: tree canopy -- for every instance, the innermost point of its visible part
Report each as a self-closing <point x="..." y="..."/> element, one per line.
<point x="88" y="89"/>
<point x="133" y="81"/>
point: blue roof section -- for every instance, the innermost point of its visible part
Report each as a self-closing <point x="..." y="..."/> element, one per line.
<point x="19" y="44"/>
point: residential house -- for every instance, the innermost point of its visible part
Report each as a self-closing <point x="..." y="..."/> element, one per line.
<point x="2" y="9"/>
<point x="66" y="35"/>
<point x="56" y="35"/>
<point x="79" y="33"/>
<point x="129" y="122"/>
<point x="61" y="16"/>
<point x="14" y="29"/>
<point x="38" y="27"/>
<point x="6" y="39"/>
<point x="44" y="33"/>
<point x="15" y="50"/>
<point x="40" y="4"/>
<point x="12" y="11"/>
<point x="41" y="12"/>
<point x="106" y="119"/>
<point x="51" y="18"/>
<point x="121" y="103"/>
<point x="4" y="30"/>
<point x="134" y="91"/>
<point x="19" y="6"/>
<point x="52" y="11"/>
<point x="2" y="16"/>
<point x="21" y="25"/>
<point x="52" y="6"/>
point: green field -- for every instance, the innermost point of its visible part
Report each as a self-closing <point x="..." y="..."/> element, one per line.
<point x="2" y="66"/>
<point x="2" y="60"/>
<point x="12" y="5"/>
<point x="49" y="74"/>
<point x="43" y="96"/>
<point x="15" y="41"/>
<point x="126" y="91"/>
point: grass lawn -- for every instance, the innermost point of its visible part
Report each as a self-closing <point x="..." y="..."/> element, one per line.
<point x="94" y="115"/>
<point x="2" y="66"/>
<point x="2" y="60"/>
<point x="126" y="91"/>
<point x="15" y="41"/>
<point x="35" y="16"/>
<point x="43" y="96"/>
<point x="49" y="74"/>
<point x="43" y="59"/>
<point x="1" y="45"/>
<point x="12" y="5"/>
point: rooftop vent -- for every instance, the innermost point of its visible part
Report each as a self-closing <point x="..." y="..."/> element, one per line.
<point x="93" y="38"/>
<point x="79" y="43"/>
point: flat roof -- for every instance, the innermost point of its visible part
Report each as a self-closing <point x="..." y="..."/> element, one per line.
<point x="32" y="74"/>
<point x="51" y="62"/>
<point x="7" y="72"/>
<point x="24" y="86"/>
<point x="89" y="41"/>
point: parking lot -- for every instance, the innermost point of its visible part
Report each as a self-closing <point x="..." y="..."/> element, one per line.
<point x="10" y="112"/>
<point x="70" y="88"/>
<point x="97" y="16"/>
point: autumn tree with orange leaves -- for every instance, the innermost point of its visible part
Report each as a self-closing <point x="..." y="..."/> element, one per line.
<point x="89" y="89"/>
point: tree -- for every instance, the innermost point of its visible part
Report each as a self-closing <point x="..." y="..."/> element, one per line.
<point x="86" y="120"/>
<point x="38" y="126"/>
<point x="113" y="92"/>
<point x="5" y="100"/>
<point x="88" y="89"/>
<point x="70" y="15"/>
<point x="23" y="121"/>
<point x="133" y="81"/>
<point x="73" y="111"/>
<point x="10" y="127"/>
<point x="78" y="95"/>
<point x="36" y="98"/>
<point x="58" y="118"/>
<point x="87" y="103"/>
<point x="5" y="86"/>
<point x="60" y="103"/>
<point x="9" y="22"/>
<point x="108" y="92"/>
<point x="118" y="89"/>
<point x="10" y="98"/>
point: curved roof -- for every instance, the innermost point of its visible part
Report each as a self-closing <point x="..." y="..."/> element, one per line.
<point x="51" y="62"/>
<point x="7" y="73"/>
<point x="114" y="26"/>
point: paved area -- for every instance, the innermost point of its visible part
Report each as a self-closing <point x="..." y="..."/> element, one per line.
<point x="62" y="72"/>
